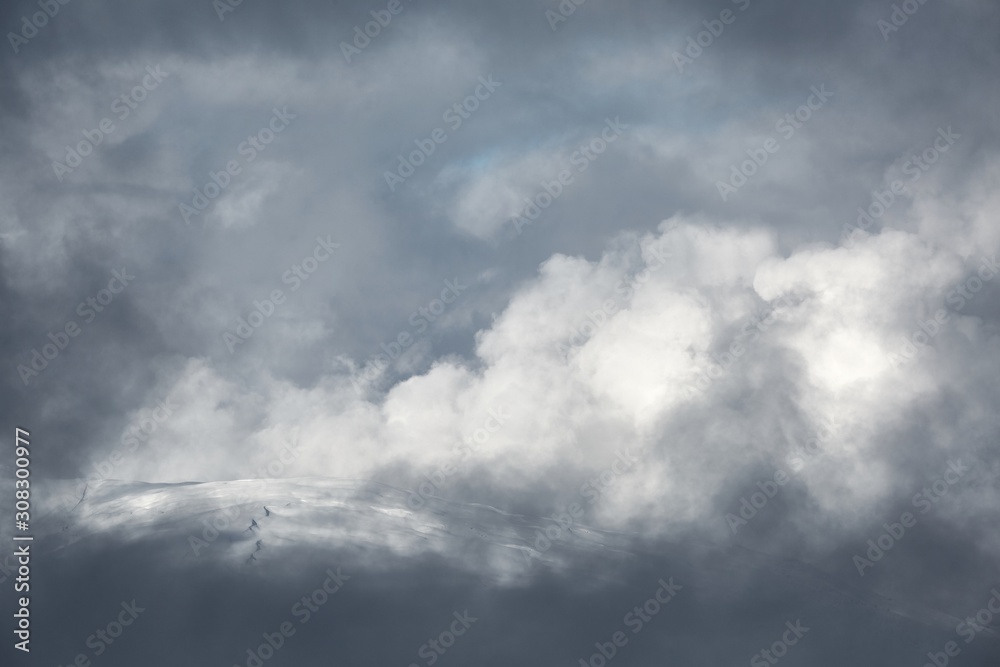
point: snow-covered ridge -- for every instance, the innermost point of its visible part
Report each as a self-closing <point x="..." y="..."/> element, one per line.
<point x="253" y="521"/>
<point x="263" y="524"/>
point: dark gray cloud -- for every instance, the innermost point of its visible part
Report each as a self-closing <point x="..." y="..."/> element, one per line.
<point x="641" y="317"/>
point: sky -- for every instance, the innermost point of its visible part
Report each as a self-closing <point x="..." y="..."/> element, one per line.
<point x="543" y="314"/>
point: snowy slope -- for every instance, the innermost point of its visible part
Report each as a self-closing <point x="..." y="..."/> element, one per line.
<point x="260" y="524"/>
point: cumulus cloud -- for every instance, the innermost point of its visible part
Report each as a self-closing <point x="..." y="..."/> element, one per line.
<point x="467" y="409"/>
<point x="590" y="357"/>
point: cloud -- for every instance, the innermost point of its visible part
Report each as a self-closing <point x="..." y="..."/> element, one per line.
<point x="621" y="374"/>
<point x="633" y="349"/>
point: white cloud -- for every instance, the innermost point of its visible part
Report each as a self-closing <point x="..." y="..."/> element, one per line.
<point x="488" y="197"/>
<point x="628" y="380"/>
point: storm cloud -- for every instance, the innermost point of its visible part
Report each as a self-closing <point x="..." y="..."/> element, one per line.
<point x="541" y="332"/>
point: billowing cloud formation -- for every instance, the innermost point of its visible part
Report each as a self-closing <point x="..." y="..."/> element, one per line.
<point x="699" y="346"/>
<point x="518" y="314"/>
